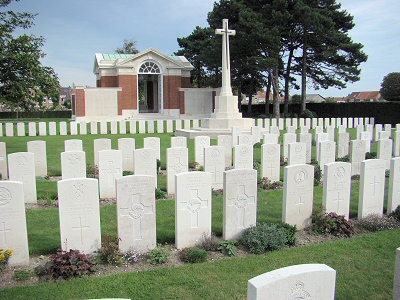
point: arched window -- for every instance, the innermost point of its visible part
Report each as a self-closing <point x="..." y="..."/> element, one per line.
<point x="149" y="67"/>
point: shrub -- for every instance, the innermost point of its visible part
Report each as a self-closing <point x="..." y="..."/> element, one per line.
<point x="158" y="164"/>
<point x="266" y="184"/>
<point x="228" y="247"/>
<point x="193" y="165"/>
<point x="387" y="173"/>
<point x="160" y="194"/>
<point x="317" y="175"/>
<point x="257" y="145"/>
<point x="355" y="177"/>
<point x="208" y="242"/>
<point x="158" y="255"/>
<point x="370" y="155"/>
<point x="376" y="222"/>
<point x="109" y="252"/>
<point x="127" y="173"/>
<point x="264" y="237"/>
<point x="308" y="114"/>
<point x="345" y="158"/>
<point x="193" y="255"/>
<point x="131" y="256"/>
<point x="4" y="258"/>
<point x="290" y="233"/>
<point x="283" y="161"/>
<point x="92" y="171"/>
<point x="66" y="265"/>
<point x="330" y="223"/>
<point x="396" y="213"/>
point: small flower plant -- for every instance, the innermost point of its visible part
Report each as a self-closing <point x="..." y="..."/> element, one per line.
<point x="4" y="257"/>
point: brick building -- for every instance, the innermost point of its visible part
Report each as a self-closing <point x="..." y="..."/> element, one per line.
<point x="132" y="84"/>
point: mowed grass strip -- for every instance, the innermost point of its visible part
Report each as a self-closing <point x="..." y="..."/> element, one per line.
<point x="364" y="265"/>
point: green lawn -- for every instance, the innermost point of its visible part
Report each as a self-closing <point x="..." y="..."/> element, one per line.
<point x="365" y="265"/>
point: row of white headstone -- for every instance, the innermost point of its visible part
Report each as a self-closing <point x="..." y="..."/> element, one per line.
<point x="160" y="126"/>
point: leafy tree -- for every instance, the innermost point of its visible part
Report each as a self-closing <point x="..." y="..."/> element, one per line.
<point x="129" y="47"/>
<point x="24" y="81"/>
<point x="390" y="87"/>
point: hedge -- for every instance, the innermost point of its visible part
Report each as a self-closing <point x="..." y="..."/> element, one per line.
<point x="36" y="114"/>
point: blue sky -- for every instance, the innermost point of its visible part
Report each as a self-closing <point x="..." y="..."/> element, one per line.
<point x="76" y="30"/>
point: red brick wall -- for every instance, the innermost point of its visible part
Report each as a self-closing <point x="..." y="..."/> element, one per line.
<point x="109" y="81"/>
<point x="185" y="82"/>
<point x="172" y="84"/>
<point x="127" y="98"/>
<point x="80" y="102"/>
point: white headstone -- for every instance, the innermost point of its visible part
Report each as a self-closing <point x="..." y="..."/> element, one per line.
<point x="214" y="163"/>
<point x="281" y="124"/>
<point x="200" y="142"/>
<point x="388" y="129"/>
<point x="170" y="127"/>
<point x="341" y="129"/>
<point x="178" y="141"/>
<point x="357" y="155"/>
<point x="127" y="146"/>
<point x="13" y="233"/>
<point x="73" y="145"/>
<point x="344" y="122"/>
<point x="337" y="188"/>
<point x="73" y="164"/>
<point x="150" y="126"/>
<point x="372" y="187"/>
<point x="32" y="128"/>
<point x="160" y="126"/>
<point x="79" y="212"/>
<point x="103" y="127"/>
<point x="326" y="153"/>
<point x="240" y="202"/>
<point x="296" y="153"/>
<point x="270" y="138"/>
<point x="308" y="122"/>
<point x="226" y="142"/>
<point x="298" y="193"/>
<point x="256" y="134"/>
<point x="21" y="129"/>
<point x="21" y="167"/>
<point x="114" y="127"/>
<point x="142" y="126"/>
<point x="153" y="143"/>
<point x="290" y="129"/>
<point x="110" y="169"/>
<point x="274" y="130"/>
<point x="132" y="127"/>
<point x="196" y="123"/>
<point x="42" y="128"/>
<point x="306" y="139"/>
<point x="63" y="128"/>
<point x="99" y="145"/>
<point x="304" y="129"/>
<point x="394" y="185"/>
<point x="396" y="285"/>
<point x="178" y="124"/>
<point x="320" y="137"/>
<point x="350" y="122"/>
<point x="236" y="131"/>
<point x="330" y="130"/>
<point x="343" y="144"/>
<point x="385" y="147"/>
<point x="73" y="128"/>
<point x="288" y="123"/>
<point x="93" y="127"/>
<point x="338" y="122"/>
<point x="82" y="128"/>
<point x="307" y="281"/>
<point x="10" y="129"/>
<point x="3" y="161"/>
<point x="383" y="135"/>
<point x="287" y="139"/>
<point x="366" y="135"/>
<point x="245" y="139"/>
<point x="326" y="122"/>
<point x="145" y="162"/>
<point x="243" y="157"/>
<point x="186" y="124"/>
<point x="177" y="162"/>
<point x="274" y="122"/>
<point x="192" y="208"/>
<point x="396" y="143"/>
<point x="321" y="122"/>
<point x="38" y="148"/>
<point x="377" y="128"/>
<point x="270" y="161"/>
<point x="359" y="129"/>
<point x="136" y="213"/>
<point x="355" y="122"/>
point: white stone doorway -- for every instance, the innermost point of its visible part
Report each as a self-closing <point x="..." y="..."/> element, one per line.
<point x="150" y="88"/>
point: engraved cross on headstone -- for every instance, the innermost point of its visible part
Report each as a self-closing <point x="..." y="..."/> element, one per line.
<point x="136" y="211"/>
<point x="4" y="230"/>
<point x="111" y="171"/>
<point x="241" y="201"/>
<point x="299" y="204"/>
<point x="338" y="199"/>
<point x="374" y="183"/>
<point x="271" y="168"/>
<point x="193" y="206"/>
<point x="80" y="227"/>
<point x="226" y="68"/>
